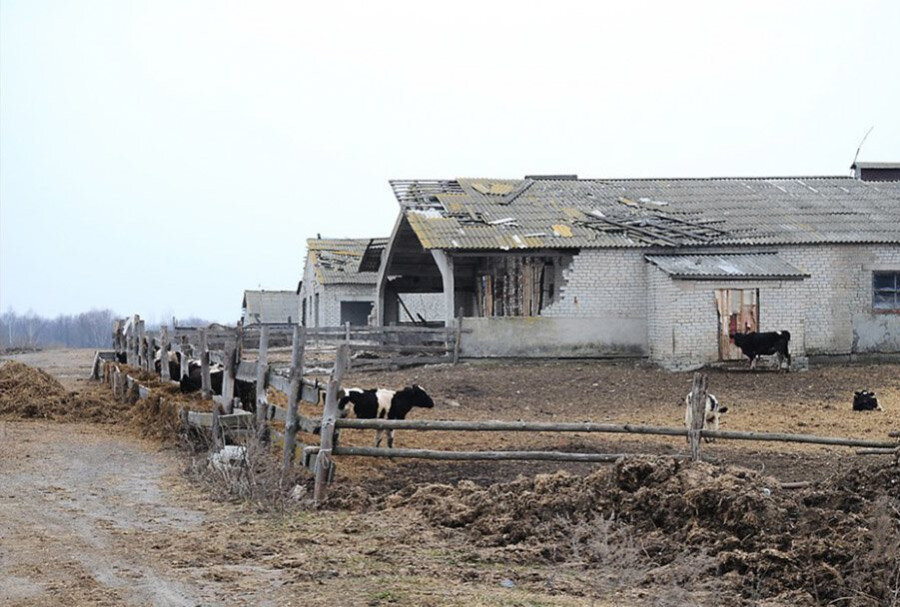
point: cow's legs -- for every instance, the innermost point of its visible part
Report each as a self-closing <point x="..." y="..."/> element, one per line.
<point x="378" y="435"/>
<point x="390" y="435"/>
<point x="753" y="363"/>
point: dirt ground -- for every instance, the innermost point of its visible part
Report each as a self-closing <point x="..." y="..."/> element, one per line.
<point x="817" y="401"/>
<point x="92" y="515"/>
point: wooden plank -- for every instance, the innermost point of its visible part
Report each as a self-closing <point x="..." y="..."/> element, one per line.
<point x="329" y="417"/>
<point x="262" y="372"/>
<point x="797" y="438"/>
<point x="228" y="364"/>
<point x="164" y="353"/>
<point x="205" y="382"/>
<point x="396" y="348"/>
<point x="185" y="353"/>
<point x="589" y="427"/>
<point x="552" y="456"/>
<point x="697" y="402"/>
<point x="290" y="424"/>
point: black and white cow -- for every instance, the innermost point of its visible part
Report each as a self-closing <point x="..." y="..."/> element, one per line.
<point x="193" y="381"/>
<point x="754" y="345"/>
<point x="384" y="404"/>
<point x="711" y="416"/>
<point x="174" y="364"/>
<point x="863" y="400"/>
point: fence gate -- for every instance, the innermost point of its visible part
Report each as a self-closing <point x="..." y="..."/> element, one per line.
<point x="738" y="313"/>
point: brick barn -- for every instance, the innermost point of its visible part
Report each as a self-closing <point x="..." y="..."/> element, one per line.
<point x="658" y="268"/>
<point x="338" y="285"/>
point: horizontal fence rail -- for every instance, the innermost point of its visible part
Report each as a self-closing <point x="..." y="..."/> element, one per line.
<point x="588" y="427"/>
<point x="548" y="456"/>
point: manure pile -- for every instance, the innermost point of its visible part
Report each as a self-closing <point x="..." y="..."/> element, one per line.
<point x="30" y="393"/>
<point x="658" y="521"/>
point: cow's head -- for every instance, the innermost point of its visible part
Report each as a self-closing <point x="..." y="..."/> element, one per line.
<point x="419" y="398"/>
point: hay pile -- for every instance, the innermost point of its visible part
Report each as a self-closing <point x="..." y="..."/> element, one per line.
<point x="30" y="393"/>
<point x="694" y="525"/>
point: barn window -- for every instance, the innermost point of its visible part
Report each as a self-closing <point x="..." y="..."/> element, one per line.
<point x="886" y="291"/>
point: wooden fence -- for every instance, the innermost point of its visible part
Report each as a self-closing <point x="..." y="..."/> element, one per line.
<point x="319" y="458"/>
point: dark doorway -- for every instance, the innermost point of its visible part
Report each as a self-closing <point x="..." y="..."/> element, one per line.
<point x="356" y="312"/>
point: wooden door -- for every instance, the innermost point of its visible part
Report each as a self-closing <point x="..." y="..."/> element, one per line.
<point x="738" y="313"/>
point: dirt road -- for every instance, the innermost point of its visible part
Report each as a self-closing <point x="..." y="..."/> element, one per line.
<point x="82" y="517"/>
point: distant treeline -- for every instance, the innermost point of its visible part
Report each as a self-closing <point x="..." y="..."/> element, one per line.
<point x="86" y="330"/>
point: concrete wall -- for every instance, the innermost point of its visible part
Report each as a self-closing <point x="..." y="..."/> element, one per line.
<point x="534" y="336"/>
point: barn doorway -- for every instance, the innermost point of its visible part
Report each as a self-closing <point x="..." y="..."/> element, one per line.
<point x="738" y="313"/>
<point x="356" y="312"/>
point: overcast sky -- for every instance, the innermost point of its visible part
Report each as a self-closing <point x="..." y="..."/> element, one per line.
<point x="160" y="157"/>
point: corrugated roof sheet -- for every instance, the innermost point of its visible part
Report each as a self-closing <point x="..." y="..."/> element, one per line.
<point x="606" y="213"/>
<point x="337" y="260"/>
<point x="271" y="307"/>
<point x="765" y="266"/>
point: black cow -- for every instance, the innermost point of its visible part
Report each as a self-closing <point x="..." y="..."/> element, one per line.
<point x="754" y="345"/>
<point x="174" y="364"/>
<point x="381" y="404"/>
<point x="193" y="381"/>
<point x="863" y="400"/>
<point x="122" y="357"/>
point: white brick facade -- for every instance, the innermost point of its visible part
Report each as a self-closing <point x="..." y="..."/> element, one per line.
<point x="828" y="313"/>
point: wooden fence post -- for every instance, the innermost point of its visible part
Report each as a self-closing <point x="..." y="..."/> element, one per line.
<point x="329" y="415"/>
<point x="216" y="430"/>
<point x="262" y="373"/>
<point x="144" y="347"/>
<point x="164" y="353"/>
<point x="290" y="424"/>
<point x="698" y="413"/>
<point x="185" y="351"/>
<point x="228" y="376"/>
<point x="205" y="384"/>
<point x="136" y="360"/>
<point x="459" y="318"/>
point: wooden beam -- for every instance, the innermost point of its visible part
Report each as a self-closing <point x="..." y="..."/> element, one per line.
<point x="164" y="353"/>
<point x="205" y="383"/>
<point x="290" y="424"/>
<point x="228" y="363"/>
<point x="262" y="373"/>
<point x="552" y="456"/>
<point x="697" y="401"/>
<point x="328" y="431"/>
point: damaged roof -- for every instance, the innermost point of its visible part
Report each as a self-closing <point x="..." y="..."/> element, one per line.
<point x="337" y="260"/>
<point x="604" y="213"/>
<point x="270" y="307"/>
<point x="757" y="266"/>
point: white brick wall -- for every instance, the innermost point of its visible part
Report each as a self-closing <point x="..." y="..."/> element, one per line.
<point x="603" y="283"/>
<point x="824" y="313"/>
<point x="821" y="312"/>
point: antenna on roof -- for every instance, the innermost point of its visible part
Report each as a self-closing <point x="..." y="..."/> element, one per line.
<point x="860" y="145"/>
